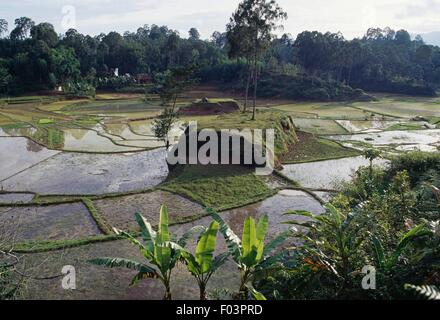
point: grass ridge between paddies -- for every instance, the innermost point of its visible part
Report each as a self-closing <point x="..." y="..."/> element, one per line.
<point x="218" y="186"/>
<point x="311" y="148"/>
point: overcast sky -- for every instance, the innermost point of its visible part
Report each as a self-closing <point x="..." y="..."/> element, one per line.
<point x="351" y="17"/>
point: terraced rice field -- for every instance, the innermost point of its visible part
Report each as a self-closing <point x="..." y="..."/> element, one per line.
<point x="93" y="164"/>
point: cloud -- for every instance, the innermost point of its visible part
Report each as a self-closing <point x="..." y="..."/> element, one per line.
<point x="420" y="10"/>
<point x="350" y="17"/>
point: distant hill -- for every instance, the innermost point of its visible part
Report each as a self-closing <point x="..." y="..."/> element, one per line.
<point x="432" y="38"/>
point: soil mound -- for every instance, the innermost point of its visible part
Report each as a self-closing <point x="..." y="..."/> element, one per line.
<point x="210" y="108"/>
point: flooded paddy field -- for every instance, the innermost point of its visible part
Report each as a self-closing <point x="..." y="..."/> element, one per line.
<point x="326" y="174"/>
<point x="119" y="212"/>
<point x="58" y="222"/>
<point x="11" y="198"/>
<point x="95" y="148"/>
<point x="18" y="154"/>
<point x="84" y="140"/>
<point x="423" y="140"/>
<point x="355" y="126"/>
<point x="102" y="283"/>
<point x="83" y="173"/>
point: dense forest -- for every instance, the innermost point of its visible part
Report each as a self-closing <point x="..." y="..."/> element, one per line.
<point x="33" y="57"/>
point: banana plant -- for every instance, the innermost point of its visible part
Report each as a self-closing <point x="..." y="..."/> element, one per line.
<point x="333" y="239"/>
<point x="250" y="254"/>
<point x="157" y="248"/>
<point x="203" y="264"/>
<point x="387" y="263"/>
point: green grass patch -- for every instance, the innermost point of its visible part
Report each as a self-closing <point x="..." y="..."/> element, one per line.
<point x="45" y="121"/>
<point x="100" y="222"/>
<point x="5" y="121"/>
<point x="15" y="125"/>
<point x="282" y="124"/>
<point x="325" y="110"/>
<point x="29" y="99"/>
<point x="435" y="120"/>
<point x="46" y="200"/>
<point x="86" y="121"/>
<point x="319" y="126"/>
<point x="310" y="148"/>
<point x="217" y="186"/>
<point x="401" y="106"/>
<point x="405" y="126"/>
<point x="51" y="245"/>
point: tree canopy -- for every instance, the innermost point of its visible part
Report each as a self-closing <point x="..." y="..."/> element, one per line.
<point x="34" y="57"/>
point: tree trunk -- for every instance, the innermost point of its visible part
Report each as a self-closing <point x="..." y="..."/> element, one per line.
<point x="255" y="87"/>
<point x="248" y="83"/>
<point x="174" y="102"/>
<point x="167" y="295"/>
<point x="349" y="74"/>
<point x="243" y="290"/>
<point x="203" y="295"/>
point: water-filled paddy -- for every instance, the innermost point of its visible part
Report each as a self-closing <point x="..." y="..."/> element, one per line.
<point x="104" y="283"/>
<point x="18" y="154"/>
<point x="144" y="143"/>
<point x="326" y="174"/>
<point x="119" y="212"/>
<point x="58" y="222"/>
<point x="418" y="147"/>
<point x="89" y="141"/>
<point x="425" y="137"/>
<point x="122" y="130"/>
<point x="274" y="207"/>
<point x="79" y="173"/>
<point x="355" y="126"/>
<point x="3" y="133"/>
<point x="11" y="198"/>
<point x="122" y="127"/>
<point x="21" y="131"/>
<point x="143" y="127"/>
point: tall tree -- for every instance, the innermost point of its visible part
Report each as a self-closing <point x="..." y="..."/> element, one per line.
<point x="3" y="27"/>
<point x="65" y="64"/>
<point x="257" y="19"/>
<point x="240" y="45"/>
<point x="194" y="34"/>
<point x="173" y="82"/>
<point x="22" y="28"/>
<point x="5" y="79"/>
<point x="163" y="124"/>
<point x="45" y="32"/>
<point x="219" y="39"/>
